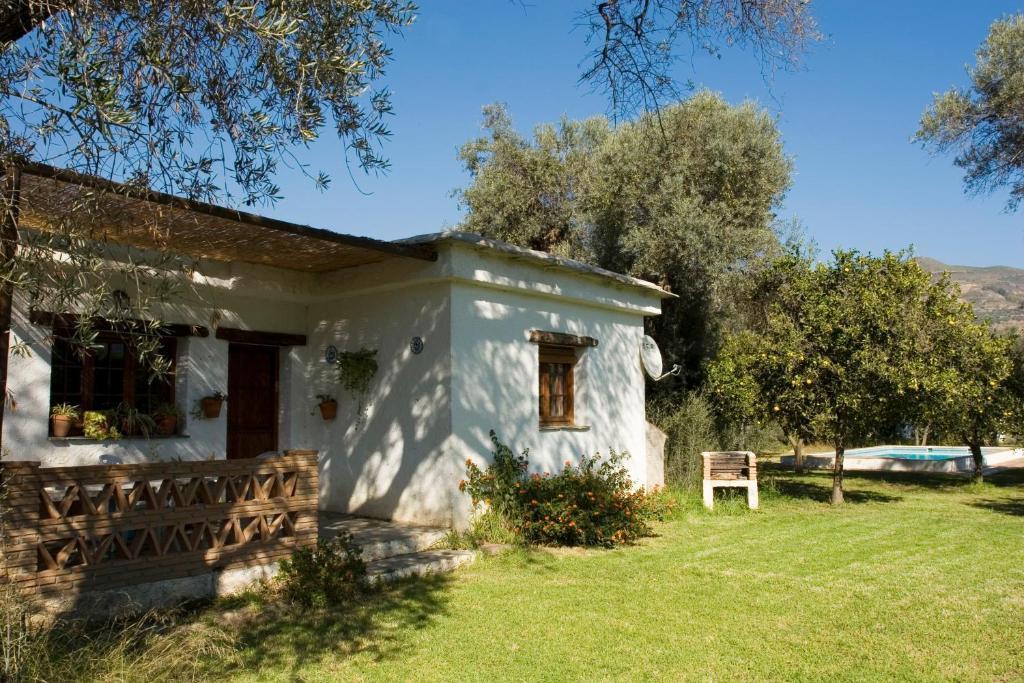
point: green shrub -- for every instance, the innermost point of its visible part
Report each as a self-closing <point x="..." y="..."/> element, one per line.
<point x="689" y="423"/>
<point x="592" y="503"/>
<point x="759" y="438"/>
<point x="485" y="526"/>
<point x="331" y="573"/>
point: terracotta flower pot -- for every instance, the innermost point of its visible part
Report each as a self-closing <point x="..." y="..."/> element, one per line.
<point x="329" y="410"/>
<point x="167" y="425"/>
<point x="62" y="425"/>
<point x="127" y="429"/>
<point x="211" y="407"/>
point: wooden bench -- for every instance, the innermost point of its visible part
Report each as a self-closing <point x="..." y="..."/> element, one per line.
<point x="737" y="469"/>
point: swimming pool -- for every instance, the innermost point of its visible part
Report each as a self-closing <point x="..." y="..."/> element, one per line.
<point x="947" y="459"/>
<point x="911" y="452"/>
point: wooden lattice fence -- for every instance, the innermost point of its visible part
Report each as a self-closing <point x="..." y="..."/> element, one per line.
<point x="76" y="529"/>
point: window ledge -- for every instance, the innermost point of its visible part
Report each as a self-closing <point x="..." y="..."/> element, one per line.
<point x="86" y="439"/>
<point x="565" y="428"/>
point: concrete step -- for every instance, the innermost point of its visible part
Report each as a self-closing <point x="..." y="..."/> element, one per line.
<point x="381" y="539"/>
<point x="417" y="564"/>
<point x="397" y="547"/>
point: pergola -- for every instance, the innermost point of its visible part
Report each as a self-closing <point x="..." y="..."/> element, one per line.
<point x="47" y="199"/>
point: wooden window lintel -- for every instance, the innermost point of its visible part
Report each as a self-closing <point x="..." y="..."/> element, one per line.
<point x="560" y="338"/>
<point x="238" y="336"/>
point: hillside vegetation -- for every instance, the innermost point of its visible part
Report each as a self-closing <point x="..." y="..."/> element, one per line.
<point x="996" y="292"/>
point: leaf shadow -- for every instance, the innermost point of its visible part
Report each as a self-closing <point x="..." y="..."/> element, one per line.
<point x="1007" y="506"/>
<point x="793" y="488"/>
<point x="279" y="637"/>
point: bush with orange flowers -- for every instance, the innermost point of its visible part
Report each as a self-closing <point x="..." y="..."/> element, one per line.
<point x="592" y="503"/>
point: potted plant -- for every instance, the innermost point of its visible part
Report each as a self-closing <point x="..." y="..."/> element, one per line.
<point x="328" y="406"/>
<point x="355" y="372"/>
<point x="212" y="404"/>
<point x="133" y="421"/>
<point x="99" y="425"/>
<point x="167" y="417"/>
<point x="62" y="418"/>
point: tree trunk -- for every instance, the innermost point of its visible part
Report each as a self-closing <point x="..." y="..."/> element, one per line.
<point x="798" y="455"/>
<point x="921" y="435"/>
<point x="20" y="17"/>
<point x="979" y="462"/>
<point x="8" y="250"/>
<point x="837" y="477"/>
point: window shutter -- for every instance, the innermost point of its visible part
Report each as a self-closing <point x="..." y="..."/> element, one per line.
<point x="556" y="393"/>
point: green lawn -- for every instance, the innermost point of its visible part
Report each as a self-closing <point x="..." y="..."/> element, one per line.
<point x="913" y="579"/>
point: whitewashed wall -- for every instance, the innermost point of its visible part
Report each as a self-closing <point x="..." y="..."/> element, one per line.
<point x="392" y="464"/>
<point x="478" y="371"/>
<point x="237" y="295"/>
<point x="495" y="305"/>
<point x="473" y="308"/>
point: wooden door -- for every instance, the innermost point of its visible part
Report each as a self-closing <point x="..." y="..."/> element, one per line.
<point x="252" y="400"/>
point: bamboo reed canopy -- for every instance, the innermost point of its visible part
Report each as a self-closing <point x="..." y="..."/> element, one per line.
<point x="50" y="199"/>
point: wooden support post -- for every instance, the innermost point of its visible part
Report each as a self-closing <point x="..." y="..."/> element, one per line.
<point x="8" y="252"/>
<point x="19" y="511"/>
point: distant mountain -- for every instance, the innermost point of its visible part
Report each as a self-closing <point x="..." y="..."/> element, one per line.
<point x="996" y="292"/>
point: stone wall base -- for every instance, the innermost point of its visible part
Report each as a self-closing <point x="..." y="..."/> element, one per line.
<point x="106" y="604"/>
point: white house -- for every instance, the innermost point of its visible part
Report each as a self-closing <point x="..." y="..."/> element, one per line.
<point x="471" y="335"/>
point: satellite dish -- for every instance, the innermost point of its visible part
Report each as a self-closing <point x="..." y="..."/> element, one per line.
<point x="650" y="357"/>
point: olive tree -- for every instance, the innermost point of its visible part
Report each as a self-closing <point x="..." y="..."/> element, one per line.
<point x="197" y="98"/>
<point x="636" y="44"/>
<point x="984" y="123"/>
<point x="200" y="99"/>
<point x="688" y="207"/>
<point x="532" y="192"/>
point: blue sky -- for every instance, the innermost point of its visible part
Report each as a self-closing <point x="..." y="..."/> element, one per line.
<point x="846" y="120"/>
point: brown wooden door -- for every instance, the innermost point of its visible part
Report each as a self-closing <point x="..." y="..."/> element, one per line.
<point x="252" y="400"/>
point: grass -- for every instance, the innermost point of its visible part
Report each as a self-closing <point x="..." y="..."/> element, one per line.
<point x="916" y="578"/>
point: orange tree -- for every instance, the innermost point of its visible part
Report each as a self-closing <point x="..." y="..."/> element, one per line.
<point x="971" y="387"/>
<point x="840" y="352"/>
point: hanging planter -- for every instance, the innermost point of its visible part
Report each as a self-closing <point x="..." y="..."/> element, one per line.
<point x="356" y="370"/>
<point x="328" y="407"/>
<point x="212" y="405"/>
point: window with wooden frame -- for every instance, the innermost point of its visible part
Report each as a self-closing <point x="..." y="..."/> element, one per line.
<point x="108" y="373"/>
<point x="557" y="385"/>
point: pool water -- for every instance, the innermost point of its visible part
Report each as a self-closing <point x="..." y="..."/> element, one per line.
<point x="910" y="452"/>
<point x="949" y="459"/>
